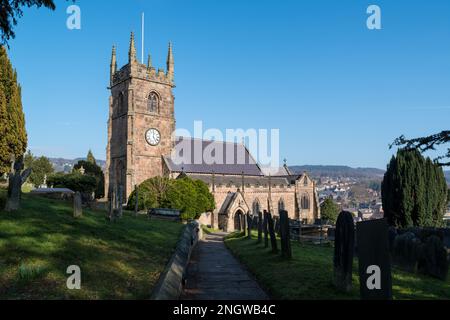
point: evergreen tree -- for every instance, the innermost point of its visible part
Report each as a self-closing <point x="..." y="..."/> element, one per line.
<point x="90" y="158"/>
<point x="92" y="169"/>
<point x="414" y="191"/>
<point x="42" y="168"/>
<point x="329" y="210"/>
<point x="13" y="141"/>
<point x="4" y="147"/>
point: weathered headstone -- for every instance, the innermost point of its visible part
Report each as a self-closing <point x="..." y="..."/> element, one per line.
<point x="260" y="226"/>
<point x="16" y="179"/>
<point x="249" y="226"/>
<point x="77" y="205"/>
<point x="136" y="201"/>
<point x="372" y="238"/>
<point x="265" y="229"/>
<point x="273" y="238"/>
<point x="343" y="251"/>
<point x="119" y="201"/>
<point x="277" y="224"/>
<point x="243" y="222"/>
<point x="286" y="250"/>
<point x="112" y="203"/>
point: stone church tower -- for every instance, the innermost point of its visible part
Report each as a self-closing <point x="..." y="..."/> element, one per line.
<point x="141" y="121"/>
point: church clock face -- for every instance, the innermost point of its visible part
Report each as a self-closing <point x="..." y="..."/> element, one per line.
<point x="153" y="137"/>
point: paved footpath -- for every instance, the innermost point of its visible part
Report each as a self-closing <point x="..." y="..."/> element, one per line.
<point x="214" y="274"/>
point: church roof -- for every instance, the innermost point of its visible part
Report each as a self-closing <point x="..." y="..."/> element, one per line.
<point x="204" y="156"/>
<point x="237" y="180"/>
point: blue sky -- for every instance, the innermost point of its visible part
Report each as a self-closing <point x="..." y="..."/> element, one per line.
<point x="338" y="92"/>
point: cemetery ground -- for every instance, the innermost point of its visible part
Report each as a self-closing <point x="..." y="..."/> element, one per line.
<point x="310" y="272"/>
<point x="121" y="260"/>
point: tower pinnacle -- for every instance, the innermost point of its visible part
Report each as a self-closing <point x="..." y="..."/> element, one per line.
<point x="149" y="62"/>
<point x="132" y="51"/>
<point x="113" y="66"/>
<point x="170" y="64"/>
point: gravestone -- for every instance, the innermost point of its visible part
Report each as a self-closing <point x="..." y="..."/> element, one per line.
<point x="372" y="238"/>
<point x="77" y="205"/>
<point x="286" y="250"/>
<point x="273" y="239"/>
<point x="260" y="226"/>
<point x="249" y="226"/>
<point x="112" y="203"/>
<point x="16" y="179"/>
<point x="119" y="197"/>
<point x="265" y="229"/>
<point x="243" y="223"/>
<point x="344" y="243"/>
<point x="255" y="222"/>
<point x="136" y="201"/>
<point x="277" y="225"/>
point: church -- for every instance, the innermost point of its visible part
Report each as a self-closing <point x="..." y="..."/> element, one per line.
<point x="140" y="146"/>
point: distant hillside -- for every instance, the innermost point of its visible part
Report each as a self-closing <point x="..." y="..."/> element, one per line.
<point x="339" y="171"/>
<point x="66" y="165"/>
<point x="447" y="176"/>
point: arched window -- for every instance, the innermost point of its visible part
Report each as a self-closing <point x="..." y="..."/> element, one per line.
<point x="281" y="205"/>
<point x="255" y="207"/>
<point x="305" y="182"/>
<point x="153" y="102"/>
<point x="304" y="202"/>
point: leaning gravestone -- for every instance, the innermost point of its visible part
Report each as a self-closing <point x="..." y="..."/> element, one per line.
<point x="16" y="179"/>
<point x="273" y="239"/>
<point x="372" y="238"/>
<point x="77" y="205"/>
<point x="260" y="226"/>
<point x="344" y="242"/>
<point x="277" y="225"/>
<point x="265" y="229"/>
<point x="286" y="250"/>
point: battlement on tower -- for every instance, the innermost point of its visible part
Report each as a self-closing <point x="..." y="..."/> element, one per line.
<point x="135" y="69"/>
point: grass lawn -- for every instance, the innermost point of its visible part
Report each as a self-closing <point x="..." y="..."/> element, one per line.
<point x="121" y="260"/>
<point x="309" y="274"/>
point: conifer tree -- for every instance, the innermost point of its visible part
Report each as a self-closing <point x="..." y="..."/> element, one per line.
<point x="4" y="148"/>
<point x="12" y="127"/>
<point x="90" y="158"/>
<point x="414" y="191"/>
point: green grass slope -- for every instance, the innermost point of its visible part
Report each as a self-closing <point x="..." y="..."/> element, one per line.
<point x="309" y="274"/>
<point x="121" y="260"/>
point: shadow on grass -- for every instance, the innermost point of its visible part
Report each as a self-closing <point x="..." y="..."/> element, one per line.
<point x="121" y="260"/>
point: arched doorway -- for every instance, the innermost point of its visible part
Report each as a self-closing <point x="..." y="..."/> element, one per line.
<point x="238" y="220"/>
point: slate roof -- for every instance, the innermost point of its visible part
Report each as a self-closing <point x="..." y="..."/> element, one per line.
<point x="237" y="180"/>
<point x="205" y="157"/>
